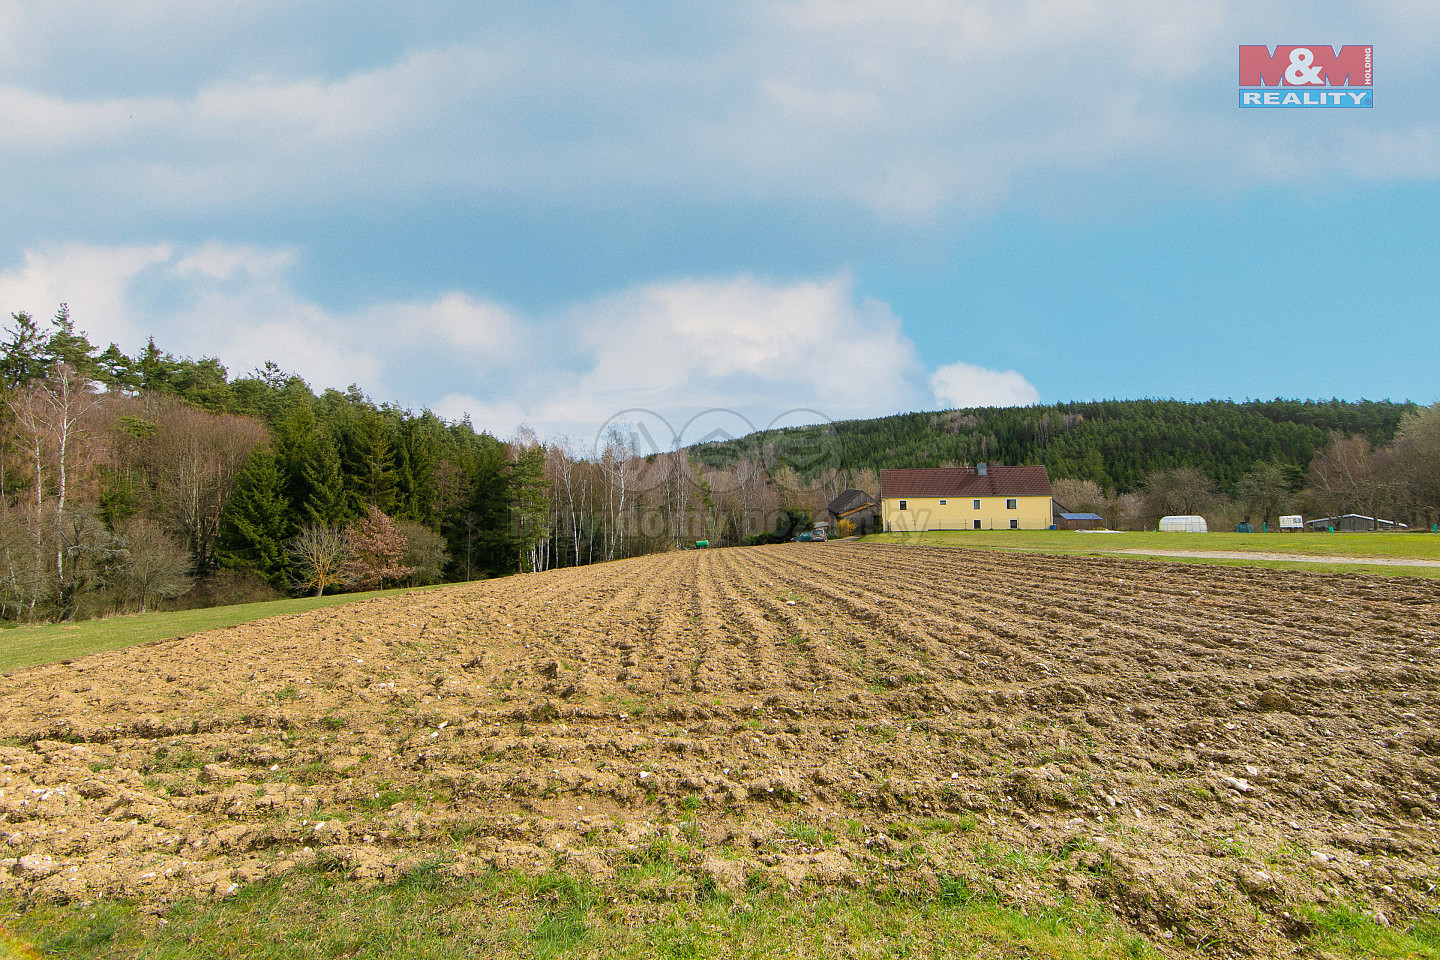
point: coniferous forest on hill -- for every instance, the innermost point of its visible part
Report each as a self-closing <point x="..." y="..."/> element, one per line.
<point x="1116" y="444"/>
<point x="132" y="483"/>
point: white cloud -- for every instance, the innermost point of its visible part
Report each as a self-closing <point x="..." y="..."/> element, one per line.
<point x="36" y="123"/>
<point x="906" y="109"/>
<point x="966" y="385"/>
<point x="95" y="282"/>
<point x="236" y="302"/>
<point x="318" y="347"/>
<point x="748" y="344"/>
<point x="454" y="320"/>
<point x="222" y="261"/>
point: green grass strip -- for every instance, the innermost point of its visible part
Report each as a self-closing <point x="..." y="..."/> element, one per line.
<point x="427" y="915"/>
<point x="1345" y="548"/>
<point x="30" y="646"/>
<point x="1349" y="932"/>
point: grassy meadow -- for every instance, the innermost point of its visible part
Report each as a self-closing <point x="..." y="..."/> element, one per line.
<point x="1346" y="549"/>
<point x="27" y="646"/>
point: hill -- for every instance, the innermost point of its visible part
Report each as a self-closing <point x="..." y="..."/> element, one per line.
<point x="1115" y="443"/>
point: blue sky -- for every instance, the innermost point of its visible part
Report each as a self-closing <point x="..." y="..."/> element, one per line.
<point x="547" y="213"/>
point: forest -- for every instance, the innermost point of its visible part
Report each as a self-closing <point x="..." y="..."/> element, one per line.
<point x="1114" y="443"/>
<point x="1134" y="461"/>
<point x="130" y="483"/>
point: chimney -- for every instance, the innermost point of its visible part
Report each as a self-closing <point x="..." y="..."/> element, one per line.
<point x="980" y="469"/>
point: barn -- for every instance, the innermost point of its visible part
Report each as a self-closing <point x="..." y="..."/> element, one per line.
<point x="856" y="506"/>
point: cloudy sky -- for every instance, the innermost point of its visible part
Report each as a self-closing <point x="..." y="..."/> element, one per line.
<point x="546" y="213"/>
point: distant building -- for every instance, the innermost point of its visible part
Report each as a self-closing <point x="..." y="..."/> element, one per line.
<point x="982" y="497"/>
<point x="1353" y="523"/>
<point x="1079" y="521"/>
<point x="856" y="506"/>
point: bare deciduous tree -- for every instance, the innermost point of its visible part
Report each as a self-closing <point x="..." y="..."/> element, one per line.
<point x="1416" y="462"/>
<point x="320" y="555"/>
<point x="424" y="553"/>
<point x="196" y="457"/>
<point x="1182" y="491"/>
<point x="1349" y="477"/>
<point x="50" y="419"/>
<point x="1080" y="496"/>
<point x="153" y="568"/>
<point x="617" y="463"/>
<point x="1263" y="492"/>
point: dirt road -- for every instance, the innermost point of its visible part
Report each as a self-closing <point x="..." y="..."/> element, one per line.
<point x="1203" y="749"/>
<point x="1294" y="557"/>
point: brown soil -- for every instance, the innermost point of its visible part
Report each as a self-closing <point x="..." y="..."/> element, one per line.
<point x="1205" y="750"/>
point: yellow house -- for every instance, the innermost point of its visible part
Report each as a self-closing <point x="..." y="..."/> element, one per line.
<point x="982" y="497"/>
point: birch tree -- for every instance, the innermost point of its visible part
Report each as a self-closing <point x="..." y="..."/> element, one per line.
<point x="49" y="416"/>
<point x="617" y="462"/>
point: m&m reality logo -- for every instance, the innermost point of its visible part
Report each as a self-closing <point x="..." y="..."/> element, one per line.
<point x="1306" y="76"/>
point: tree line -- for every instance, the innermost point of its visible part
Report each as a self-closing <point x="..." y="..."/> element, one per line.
<point x="1134" y="461"/>
<point x="131" y="482"/>
<point x="1396" y="482"/>
<point x="1117" y="444"/>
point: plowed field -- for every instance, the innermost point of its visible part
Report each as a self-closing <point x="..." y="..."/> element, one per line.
<point x="1204" y="750"/>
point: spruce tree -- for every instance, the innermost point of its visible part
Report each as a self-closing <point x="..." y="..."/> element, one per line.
<point x="256" y="525"/>
<point x="326" y="502"/>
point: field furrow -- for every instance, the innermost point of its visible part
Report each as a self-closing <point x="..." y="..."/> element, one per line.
<point x="1200" y="748"/>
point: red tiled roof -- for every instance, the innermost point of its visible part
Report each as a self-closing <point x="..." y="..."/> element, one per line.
<point x="999" y="481"/>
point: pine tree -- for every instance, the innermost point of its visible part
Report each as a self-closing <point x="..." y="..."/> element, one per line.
<point x="116" y="370"/>
<point x="66" y="346"/>
<point x="22" y="357"/>
<point x="326" y="502"/>
<point x="366" y="456"/>
<point x="256" y="527"/>
<point x="416" y="457"/>
<point x="154" y="367"/>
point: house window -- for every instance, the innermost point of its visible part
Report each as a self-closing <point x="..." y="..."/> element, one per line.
<point x="942" y="503"/>
<point x="977" y="504"/>
<point x="1012" y="504"/>
<point x="977" y="524"/>
<point x="902" y="504"/>
<point x="1014" y="524"/>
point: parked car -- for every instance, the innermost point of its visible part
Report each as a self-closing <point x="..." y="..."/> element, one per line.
<point x="818" y="535"/>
